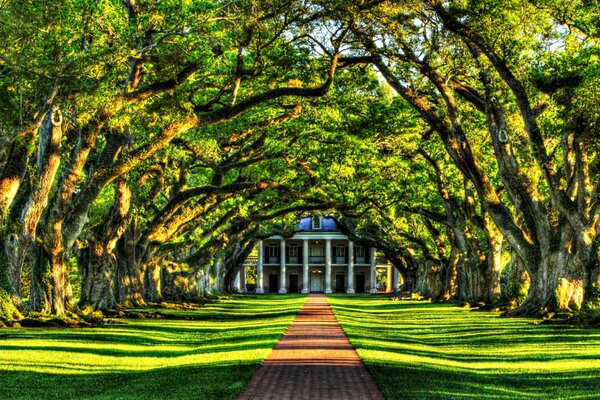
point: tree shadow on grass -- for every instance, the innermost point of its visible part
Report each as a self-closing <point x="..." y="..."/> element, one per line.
<point x="249" y="341"/>
<point x="218" y="382"/>
<point x="407" y="381"/>
<point x="443" y="345"/>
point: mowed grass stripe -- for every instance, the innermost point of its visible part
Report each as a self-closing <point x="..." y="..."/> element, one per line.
<point x="420" y="350"/>
<point x="210" y="356"/>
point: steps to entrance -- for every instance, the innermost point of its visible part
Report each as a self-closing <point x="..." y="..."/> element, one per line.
<point x="313" y="360"/>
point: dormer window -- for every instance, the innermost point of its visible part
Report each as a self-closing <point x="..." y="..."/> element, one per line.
<point x="316" y="223"/>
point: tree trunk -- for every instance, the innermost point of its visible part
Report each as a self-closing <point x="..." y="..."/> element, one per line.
<point x="15" y="251"/>
<point x="10" y="180"/>
<point x="62" y="295"/>
<point x="99" y="268"/>
<point x="495" y="239"/>
<point x="153" y="282"/>
<point x="40" y="298"/>
<point x="97" y="278"/>
<point x="129" y="283"/>
<point x="557" y="283"/>
<point x="451" y="276"/>
<point x="8" y="310"/>
<point x="19" y="243"/>
<point x="129" y="280"/>
<point x="592" y="277"/>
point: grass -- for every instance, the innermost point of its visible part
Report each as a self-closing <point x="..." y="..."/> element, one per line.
<point x="211" y="356"/>
<point x="419" y="350"/>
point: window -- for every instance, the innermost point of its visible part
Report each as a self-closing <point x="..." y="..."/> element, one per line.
<point x="273" y="251"/>
<point x="317" y="250"/>
<point x="316" y="222"/>
<point x="360" y="251"/>
<point x="340" y="251"/>
<point x="293" y="250"/>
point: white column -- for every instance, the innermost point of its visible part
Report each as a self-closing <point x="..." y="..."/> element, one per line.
<point x="305" y="288"/>
<point x="395" y="279"/>
<point x="243" y="280"/>
<point x="259" y="269"/>
<point x="373" y="270"/>
<point x="282" y="279"/>
<point x="350" y="288"/>
<point x="327" y="265"/>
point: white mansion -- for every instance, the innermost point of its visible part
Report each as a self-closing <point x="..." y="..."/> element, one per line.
<point x="318" y="258"/>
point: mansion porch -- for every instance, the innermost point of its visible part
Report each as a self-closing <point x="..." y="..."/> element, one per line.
<point x="311" y="262"/>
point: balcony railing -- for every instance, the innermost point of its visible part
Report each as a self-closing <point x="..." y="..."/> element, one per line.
<point x="311" y="260"/>
<point x="251" y="261"/>
<point x="293" y="260"/>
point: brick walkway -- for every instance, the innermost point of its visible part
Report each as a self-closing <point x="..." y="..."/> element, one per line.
<point x="313" y="360"/>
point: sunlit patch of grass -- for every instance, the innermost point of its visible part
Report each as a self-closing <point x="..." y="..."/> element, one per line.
<point x="420" y="350"/>
<point x="210" y="356"/>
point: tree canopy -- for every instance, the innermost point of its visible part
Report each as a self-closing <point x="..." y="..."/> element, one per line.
<point x="145" y="140"/>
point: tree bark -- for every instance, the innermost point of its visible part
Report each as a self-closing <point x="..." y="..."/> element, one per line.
<point x="97" y="278"/>
<point x="18" y="244"/>
<point x="493" y="291"/>
<point x="129" y="279"/>
<point x="153" y="279"/>
<point x="11" y="177"/>
<point x="99" y="268"/>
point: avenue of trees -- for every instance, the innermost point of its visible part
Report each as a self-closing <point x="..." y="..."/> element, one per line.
<point x="146" y="146"/>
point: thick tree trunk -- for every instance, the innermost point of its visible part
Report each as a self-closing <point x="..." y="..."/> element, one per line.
<point x="409" y="279"/>
<point x="592" y="277"/>
<point x="129" y="284"/>
<point x="495" y="239"/>
<point x="153" y="292"/>
<point x="198" y="285"/>
<point x="8" y="310"/>
<point x="62" y="296"/>
<point x="18" y="244"/>
<point x="517" y="283"/>
<point x="556" y="285"/>
<point x="10" y="179"/>
<point x="50" y="270"/>
<point x="97" y="278"/>
<point x="98" y="270"/>
<point x="129" y="290"/>
<point x="40" y="298"/>
<point x="451" y="275"/>
<point x="15" y="251"/>
<point x="430" y="283"/>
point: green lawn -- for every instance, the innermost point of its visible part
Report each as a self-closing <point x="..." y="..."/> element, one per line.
<point x="418" y="350"/>
<point x="209" y="357"/>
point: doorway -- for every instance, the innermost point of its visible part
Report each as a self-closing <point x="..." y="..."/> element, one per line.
<point x="294" y="283"/>
<point x="317" y="281"/>
<point x="339" y="283"/>
<point x="360" y="283"/>
<point x="273" y="283"/>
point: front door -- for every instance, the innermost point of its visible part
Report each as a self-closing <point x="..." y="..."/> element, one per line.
<point x="317" y="281"/>
<point x="273" y="283"/>
<point x="293" y="283"/>
<point x="360" y="283"/>
<point x="339" y="283"/>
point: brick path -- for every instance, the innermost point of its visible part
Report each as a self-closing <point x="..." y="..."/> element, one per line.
<point x="313" y="360"/>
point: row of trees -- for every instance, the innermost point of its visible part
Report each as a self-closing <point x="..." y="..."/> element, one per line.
<point x="145" y="147"/>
